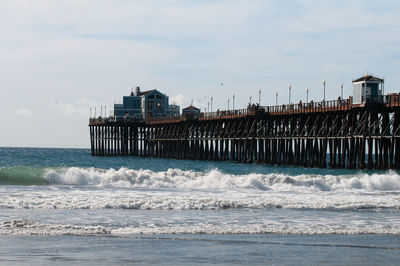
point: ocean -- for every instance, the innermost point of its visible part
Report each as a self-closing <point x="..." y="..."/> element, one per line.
<point x="62" y="206"/>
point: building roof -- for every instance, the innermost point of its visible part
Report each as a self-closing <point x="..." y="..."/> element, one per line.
<point x="368" y="78"/>
<point x="146" y="92"/>
<point x="191" y="108"/>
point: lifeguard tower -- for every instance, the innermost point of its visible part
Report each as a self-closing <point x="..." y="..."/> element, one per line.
<point x="368" y="89"/>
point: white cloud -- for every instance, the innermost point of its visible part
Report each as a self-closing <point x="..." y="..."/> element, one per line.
<point x="180" y="100"/>
<point x="184" y="101"/>
<point x="24" y="112"/>
<point x="81" y="107"/>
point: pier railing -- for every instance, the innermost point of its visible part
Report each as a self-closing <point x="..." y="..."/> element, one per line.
<point x="113" y="119"/>
<point x="310" y="107"/>
<point x="237" y="113"/>
<point x="392" y="99"/>
<point x="225" y="114"/>
<point x="324" y="106"/>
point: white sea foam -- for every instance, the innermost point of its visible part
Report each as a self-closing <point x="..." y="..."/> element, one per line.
<point x="189" y="190"/>
<point x="29" y="227"/>
<point x="188" y="199"/>
<point x="215" y="179"/>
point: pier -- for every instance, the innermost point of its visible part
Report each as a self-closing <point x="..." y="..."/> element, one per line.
<point x="335" y="134"/>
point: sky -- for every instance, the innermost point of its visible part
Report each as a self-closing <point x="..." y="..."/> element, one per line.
<point x="60" y="58"/>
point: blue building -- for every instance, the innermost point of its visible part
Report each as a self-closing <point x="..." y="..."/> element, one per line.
<point x="191" y="110"/>
<point x="145" y="104"/>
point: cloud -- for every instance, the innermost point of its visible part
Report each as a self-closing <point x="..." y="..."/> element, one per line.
<point x="24" y="112"/>
<point x="81" y="107"/>
<point x="184" y="101"/>
<point x="180" y="100"/>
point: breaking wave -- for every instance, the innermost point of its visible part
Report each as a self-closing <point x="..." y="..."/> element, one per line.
<point x="186" y="179"/>
<point x="215" y="179"/>
<point x="175" y="189"/>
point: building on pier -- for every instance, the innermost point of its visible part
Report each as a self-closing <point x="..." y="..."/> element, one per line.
<point x="191" y="112"/>
<point x="368" y="89"/>
<point x="145" y="104"/>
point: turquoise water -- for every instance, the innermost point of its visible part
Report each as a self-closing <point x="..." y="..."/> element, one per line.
<point x="143" y="210"/>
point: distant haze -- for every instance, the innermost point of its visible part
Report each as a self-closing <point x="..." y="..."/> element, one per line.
<point x="59" y="58"/>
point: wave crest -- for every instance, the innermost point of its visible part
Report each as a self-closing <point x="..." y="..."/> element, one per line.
<point x="215" y="179"/>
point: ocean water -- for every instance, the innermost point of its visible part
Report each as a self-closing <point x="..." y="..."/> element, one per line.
<point x="64" y="206"/>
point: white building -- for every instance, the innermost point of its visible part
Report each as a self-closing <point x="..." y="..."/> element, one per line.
<point x="368" y="89"/>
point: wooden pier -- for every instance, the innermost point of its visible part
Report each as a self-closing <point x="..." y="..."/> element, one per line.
<point x="335" y="134"/>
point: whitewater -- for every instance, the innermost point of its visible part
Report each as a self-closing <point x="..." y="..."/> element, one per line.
<point x="175" y="189"/>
